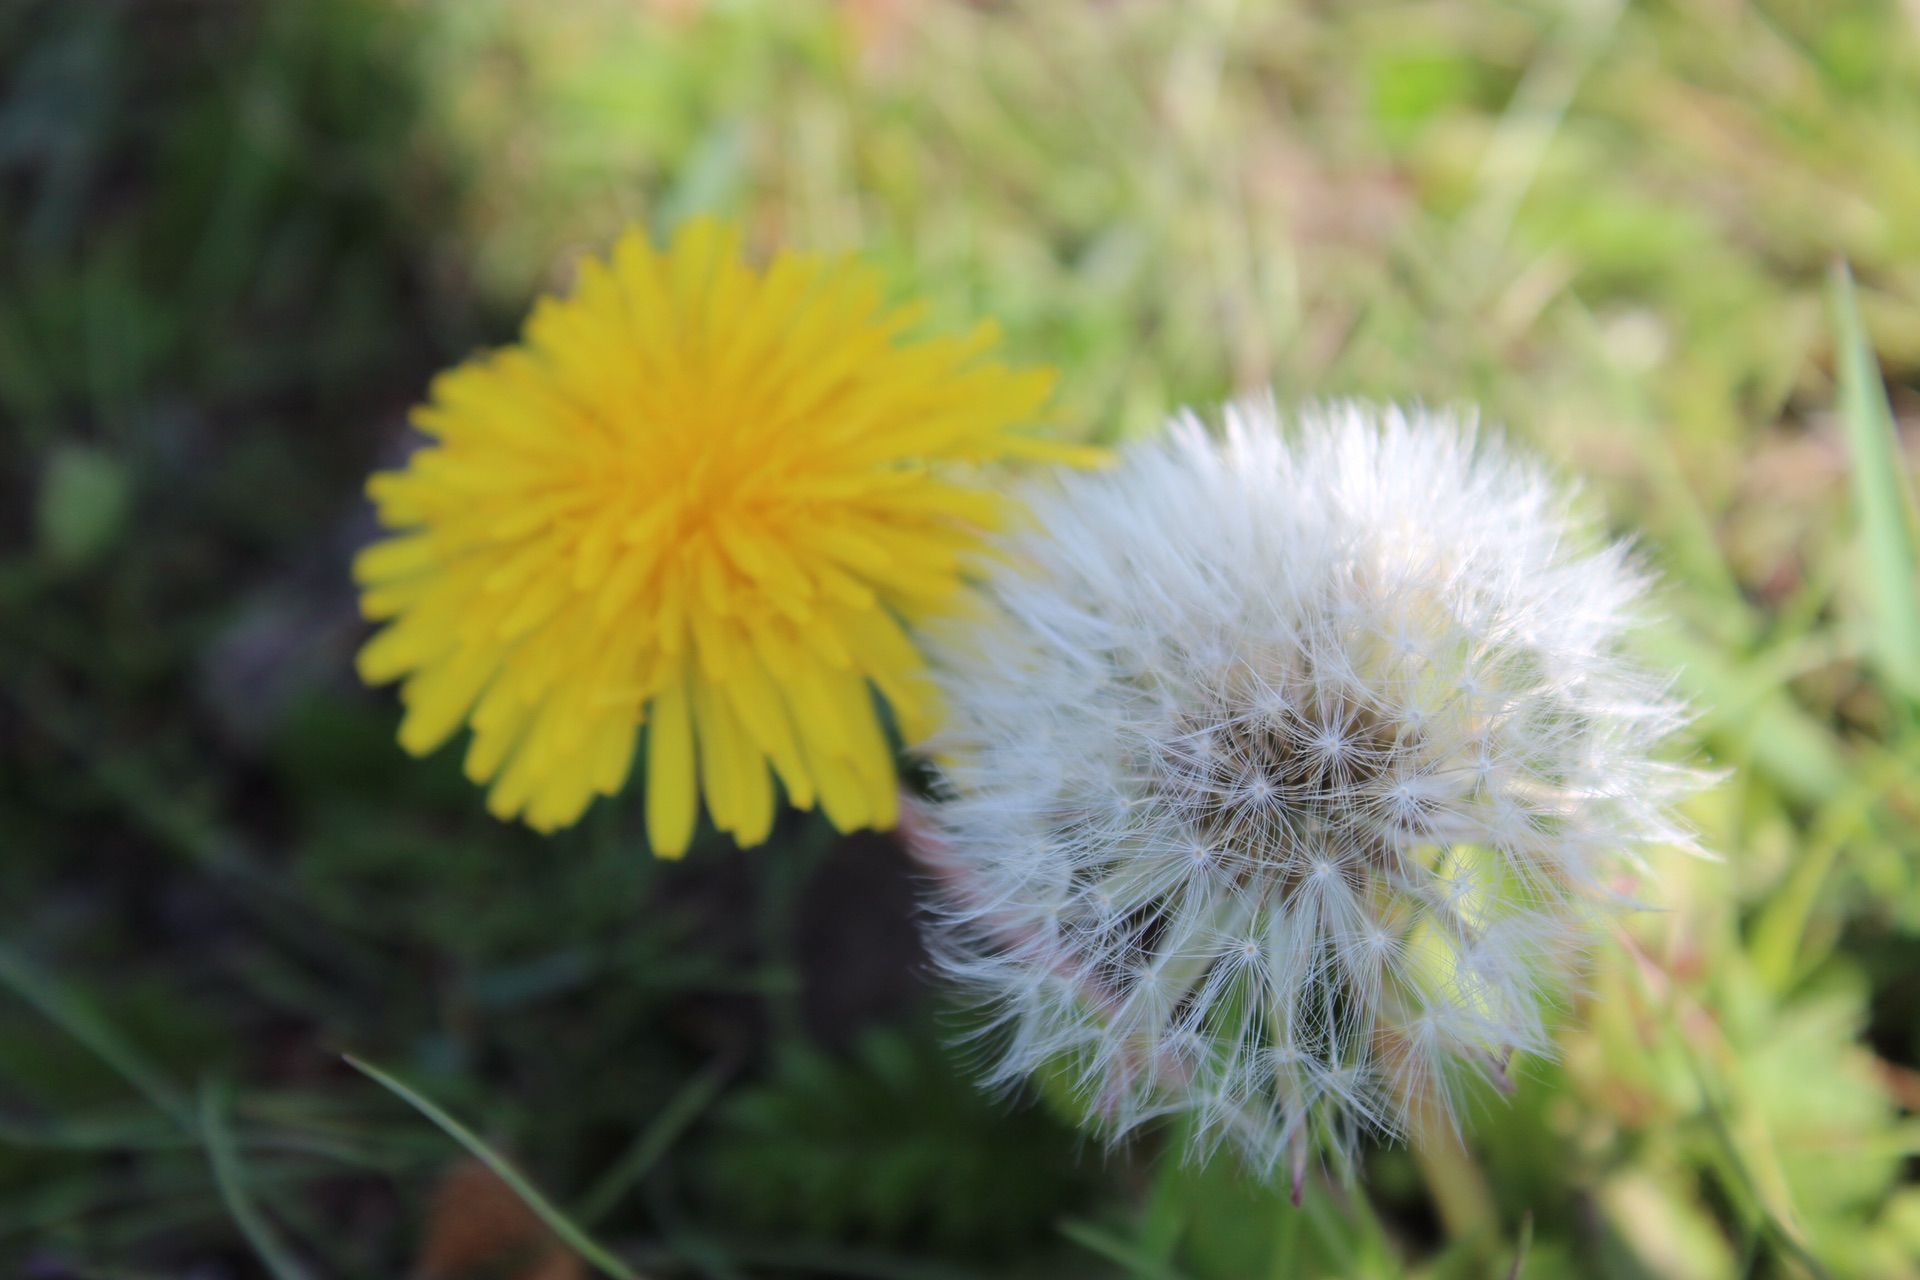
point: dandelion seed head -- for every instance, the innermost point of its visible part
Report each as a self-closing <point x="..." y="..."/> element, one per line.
<point x="1322" y="737"/>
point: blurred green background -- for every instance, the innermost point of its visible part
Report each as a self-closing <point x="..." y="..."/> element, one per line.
<point x="235" y="240"/>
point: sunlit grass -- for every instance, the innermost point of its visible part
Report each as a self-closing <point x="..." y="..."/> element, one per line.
<point x="232" y="248"/>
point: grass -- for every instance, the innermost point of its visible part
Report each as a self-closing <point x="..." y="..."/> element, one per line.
<point x="562" y="1226"/>
<point x="236" y="239"/>
<point x="1882" y="499"/>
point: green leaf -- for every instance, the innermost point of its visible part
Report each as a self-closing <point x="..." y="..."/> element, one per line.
<point x="562" y="1226"/>
<point x="83" y="506"/>
<point x="888" y="1142"/>
<point x="1880" y="494"/>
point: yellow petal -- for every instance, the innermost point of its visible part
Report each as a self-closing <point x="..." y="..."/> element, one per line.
<point x="670" y="775"/>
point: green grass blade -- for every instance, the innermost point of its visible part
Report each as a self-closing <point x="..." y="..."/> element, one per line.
<point x="1522" y="1247"/>
<point x="1779" y="930"/>
<point x="1740" y="1180"/>
<point x="653" y="1142"/>
<point x="573" y="1235"/>
<point x="1135" y="1262"/>
<point x="1755" y="717"/>
<point x="84" y="1023"/>
<point x="144" y="1132"/>
<point x="229" y="1175"/>
<point x="1880" y="493"/>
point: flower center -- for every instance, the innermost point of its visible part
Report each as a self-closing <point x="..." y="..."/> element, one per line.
<point x="1297" y="786"/>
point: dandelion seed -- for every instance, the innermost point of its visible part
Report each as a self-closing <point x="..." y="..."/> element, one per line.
<point x="700" y="496"/>
<point x="1352" y="705"/>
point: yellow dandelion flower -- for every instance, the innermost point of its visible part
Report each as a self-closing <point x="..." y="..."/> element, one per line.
<point x="701" y="497"/>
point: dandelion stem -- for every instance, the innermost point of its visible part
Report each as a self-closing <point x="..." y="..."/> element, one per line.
<point x="1460" y="1192"/>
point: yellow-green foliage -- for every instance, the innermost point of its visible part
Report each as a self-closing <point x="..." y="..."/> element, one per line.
<point x="233" y="244"/>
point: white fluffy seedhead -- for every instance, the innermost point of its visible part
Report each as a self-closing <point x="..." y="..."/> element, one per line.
<point x="1284" y="774"/>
